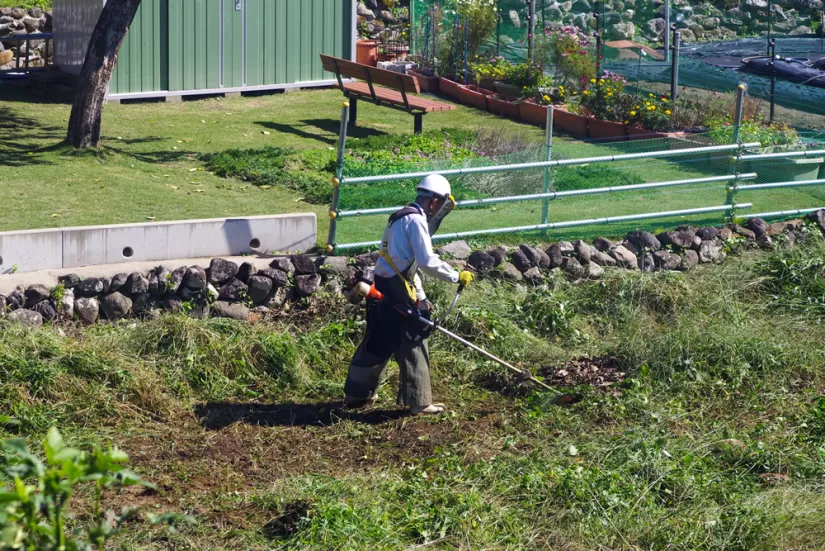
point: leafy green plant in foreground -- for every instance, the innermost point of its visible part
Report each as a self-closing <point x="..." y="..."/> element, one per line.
<point x="38" y="495"/>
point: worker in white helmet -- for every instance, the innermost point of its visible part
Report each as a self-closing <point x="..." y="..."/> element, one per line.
<point x="406" y="248"/>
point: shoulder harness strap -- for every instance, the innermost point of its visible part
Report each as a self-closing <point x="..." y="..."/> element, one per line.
<point x="406" y="211"/>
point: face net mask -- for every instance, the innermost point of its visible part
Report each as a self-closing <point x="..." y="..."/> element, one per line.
<point x="435" y="220"/>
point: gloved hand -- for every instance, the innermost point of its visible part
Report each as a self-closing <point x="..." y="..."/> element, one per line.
<point x="465" y="278"/>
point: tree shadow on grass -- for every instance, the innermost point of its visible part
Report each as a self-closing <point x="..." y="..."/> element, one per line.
<point x="147" y="156"/>
<point x="17" y="133"/>
<point x="217" y="415"/>
<point x="329" y="130"/>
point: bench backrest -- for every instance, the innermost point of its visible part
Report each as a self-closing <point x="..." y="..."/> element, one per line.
<point x="390" y="79"/>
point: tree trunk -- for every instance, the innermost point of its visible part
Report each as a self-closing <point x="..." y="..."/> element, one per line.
<point x="87" y="108"/>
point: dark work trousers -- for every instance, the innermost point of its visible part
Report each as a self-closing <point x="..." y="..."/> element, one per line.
<point x="387" y="338"/>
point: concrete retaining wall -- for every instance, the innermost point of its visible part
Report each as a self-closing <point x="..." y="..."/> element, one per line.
<point x="28" y="251"/>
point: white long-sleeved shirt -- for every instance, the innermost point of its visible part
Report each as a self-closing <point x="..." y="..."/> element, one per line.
<point x="408" y="241"/>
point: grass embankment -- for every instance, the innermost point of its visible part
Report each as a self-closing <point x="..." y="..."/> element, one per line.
<point x="153" y="158"/>
<point x="715" y="439"/>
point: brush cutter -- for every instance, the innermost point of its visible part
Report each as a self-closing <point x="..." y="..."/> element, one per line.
<point x="409" y="311"/>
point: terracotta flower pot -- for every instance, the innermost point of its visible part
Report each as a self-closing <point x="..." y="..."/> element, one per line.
<point x="427" y="84"/>
<point x="533" y="113"/>
<point x="450" y="88"/>
<point x="504" y="108"/>
<point x="607" y="130"/>
<point x="366" y="52"/>
<point x="474" y="96"/>
<point x="571" y="123"/>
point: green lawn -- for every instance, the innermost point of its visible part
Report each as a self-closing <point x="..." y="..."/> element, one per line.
<point x="148" y="166"/>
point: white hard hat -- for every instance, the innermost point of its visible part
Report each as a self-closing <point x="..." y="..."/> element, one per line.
<point x="435" y="184"/>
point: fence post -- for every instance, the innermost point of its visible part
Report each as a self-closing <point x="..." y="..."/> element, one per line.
<point x="772" y="53"/>
<point x="498" y="29"/>
<point x="427" y="45"/>
<point x="667" y="31"/>
<point x="531" y="29"/>
<point x="740" y="106"/>
<point x="412" y="28"/>
<point x="548" y="147"/>
<point x="734" y="186"/>
<point x="336" y="180"/>
<point x="466" y="46"/>
<point x="674" y="74"/>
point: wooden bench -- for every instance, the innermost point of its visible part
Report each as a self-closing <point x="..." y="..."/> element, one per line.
<point x="394" y="90"/>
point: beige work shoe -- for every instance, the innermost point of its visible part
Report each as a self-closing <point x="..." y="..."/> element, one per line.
<point x="358" y="403"/>
<point x="432" y="409"/>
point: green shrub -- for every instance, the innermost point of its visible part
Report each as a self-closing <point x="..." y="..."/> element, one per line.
<point x="753" y="129"/>
<point x="308" y="171"/>
<point x="37" y="495"/>
<point x="304" y="171"/>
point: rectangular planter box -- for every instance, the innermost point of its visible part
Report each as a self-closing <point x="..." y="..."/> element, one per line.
<point x="504" y="108"/>
<point x="488" y="84"/>
<point x="450" y="88"/>
<point x="571" y="123"/>
<point x="427" y="84"/>
<point x="785" y="170"/>
<point x="507" y="89"/>
<point x="474" y="96"/>
<point x="533" y="113"/>
<point x="607" y="131"/>
<point x="634" y="133"/>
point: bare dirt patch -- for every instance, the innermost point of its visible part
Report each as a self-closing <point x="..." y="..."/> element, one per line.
<point x="227" y="447"/>
<point x="602" y="374"/>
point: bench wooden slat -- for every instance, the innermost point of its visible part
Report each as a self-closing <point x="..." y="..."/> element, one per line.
<point x="416" y="102"/>
<point x="383" y="77"/>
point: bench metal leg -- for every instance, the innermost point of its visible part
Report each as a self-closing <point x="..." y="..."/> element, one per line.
<point x="353" y="112"/>
<point x="419" y="123"/>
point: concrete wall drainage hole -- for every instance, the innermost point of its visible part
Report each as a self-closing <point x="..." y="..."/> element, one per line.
<point x="255" y="243"/>
<point x="128" y="252"/>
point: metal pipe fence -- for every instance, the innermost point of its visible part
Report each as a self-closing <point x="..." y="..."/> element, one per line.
<point x="543" y="164"/>
<point x="661" y="158"/>
<point x="773" y="185"/>
<point x="566" y="224"/>
<point x="570" y="193"/>
<point x="783" y="213"/>
<point x="27" y="39"/>
<point x="731" y="181"/>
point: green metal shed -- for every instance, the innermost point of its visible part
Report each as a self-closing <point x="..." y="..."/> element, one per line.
<point x="182" y="47"/>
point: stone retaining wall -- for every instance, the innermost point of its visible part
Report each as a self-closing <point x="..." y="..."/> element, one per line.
<point x="243" y="292"/>
<point x="18" y="21"/>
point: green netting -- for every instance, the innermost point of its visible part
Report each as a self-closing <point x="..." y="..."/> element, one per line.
<point x="588" y="175"/>
<point x="696" y="74"/>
